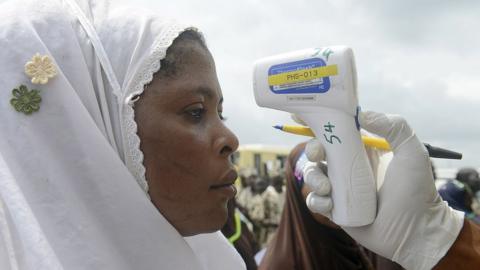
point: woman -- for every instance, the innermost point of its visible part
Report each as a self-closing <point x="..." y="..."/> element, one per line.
<point x="88" y="178"/>
<point x="97" y="173"/>
<point x="305" y="240"/>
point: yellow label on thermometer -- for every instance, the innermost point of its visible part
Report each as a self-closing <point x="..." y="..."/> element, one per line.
<point x="302" y="75"/>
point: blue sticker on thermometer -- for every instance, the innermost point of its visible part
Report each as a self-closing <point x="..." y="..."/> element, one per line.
<point x="301" y="77"/>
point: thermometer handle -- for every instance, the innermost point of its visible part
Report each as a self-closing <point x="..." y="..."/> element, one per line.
<point x="349" y="170"/>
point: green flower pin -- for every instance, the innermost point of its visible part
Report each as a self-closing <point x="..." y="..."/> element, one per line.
<point x="26" y="101"/>
<point x="40" y="69"/>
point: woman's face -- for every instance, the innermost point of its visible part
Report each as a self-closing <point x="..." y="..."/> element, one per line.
<point x="186" y="145"/>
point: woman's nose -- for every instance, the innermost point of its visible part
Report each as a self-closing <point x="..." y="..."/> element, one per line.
<point x="227" y="142"/>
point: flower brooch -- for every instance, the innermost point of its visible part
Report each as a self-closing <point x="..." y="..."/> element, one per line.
<point x="26" y="101"/>
<point x="40" y="69"/>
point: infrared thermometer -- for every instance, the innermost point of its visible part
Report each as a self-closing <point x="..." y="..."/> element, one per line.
<point x="320" y="86"/>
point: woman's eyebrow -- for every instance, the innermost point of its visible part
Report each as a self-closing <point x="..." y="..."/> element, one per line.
<point x="206" y="92"/>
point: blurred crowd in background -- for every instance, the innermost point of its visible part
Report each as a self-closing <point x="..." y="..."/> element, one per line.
<point x="256" y="212"/>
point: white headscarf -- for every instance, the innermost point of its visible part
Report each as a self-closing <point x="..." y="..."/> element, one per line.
<point x="72" y="183"/>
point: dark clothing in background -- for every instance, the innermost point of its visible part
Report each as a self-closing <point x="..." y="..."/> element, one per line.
<point x="246" y="245"/>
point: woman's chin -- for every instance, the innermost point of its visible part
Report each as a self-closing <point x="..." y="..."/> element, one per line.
<point x="209" y="224"/>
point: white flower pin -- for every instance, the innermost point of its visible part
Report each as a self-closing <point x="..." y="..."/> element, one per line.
<point x="40" y="69"/>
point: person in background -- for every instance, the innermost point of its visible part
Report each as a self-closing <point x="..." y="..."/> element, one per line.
<point x="311" y="241"/>
<point x="261" y="208"/>
<point x="245" y="194"/>
<point x="278" y="183"/>
<point x="470" y="177"/>
<point x="459" y="196"/>
<point x="273" y="210"/>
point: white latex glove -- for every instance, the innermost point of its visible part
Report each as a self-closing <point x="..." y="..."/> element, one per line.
<point x="413" y="226"/>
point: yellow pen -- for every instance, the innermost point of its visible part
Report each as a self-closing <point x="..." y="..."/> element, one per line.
<point x="379" y="143"/>
<point x="305" y="131"/>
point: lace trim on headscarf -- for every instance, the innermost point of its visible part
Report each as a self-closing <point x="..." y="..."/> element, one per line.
<point x="133" y="154"/>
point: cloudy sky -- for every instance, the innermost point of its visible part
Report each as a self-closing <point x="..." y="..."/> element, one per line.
<point x="419" y="59"/>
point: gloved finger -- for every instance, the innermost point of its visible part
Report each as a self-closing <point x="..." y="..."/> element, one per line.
<point x="297" y="119"/>
<point x="393" y="128"/>
<point x="319" y="204"/>
<point x="316" y="179"/>
<point x="314" y="150"/>
<point x="397" y="132"/>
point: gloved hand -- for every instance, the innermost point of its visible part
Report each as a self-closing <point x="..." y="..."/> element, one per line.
<point x="413" y="226"/>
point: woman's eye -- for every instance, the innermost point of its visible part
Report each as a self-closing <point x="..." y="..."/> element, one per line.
<point x="197" y="113"/>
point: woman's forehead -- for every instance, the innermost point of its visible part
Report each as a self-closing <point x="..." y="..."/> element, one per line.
<point x="183" y="57"/>
<point x="193" y="75"/>
<point x="178" y="91"/>
<point x="195" y="92"/>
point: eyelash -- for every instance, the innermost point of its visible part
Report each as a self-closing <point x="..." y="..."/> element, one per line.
<point x="196" y="113"/>
<point x="220" y="115"/>
<point x="199" y="112"/>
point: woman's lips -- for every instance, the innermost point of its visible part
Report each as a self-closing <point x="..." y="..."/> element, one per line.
<point x="228" y="184"/>
<point x="228" y="190"/>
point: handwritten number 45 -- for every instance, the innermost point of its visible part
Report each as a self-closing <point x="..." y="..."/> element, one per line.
<point x="329" y="128"/>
